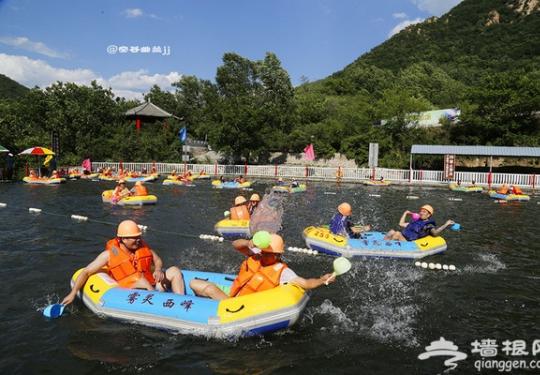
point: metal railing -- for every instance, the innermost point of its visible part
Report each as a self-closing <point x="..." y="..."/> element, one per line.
<point x="404" y="176"/>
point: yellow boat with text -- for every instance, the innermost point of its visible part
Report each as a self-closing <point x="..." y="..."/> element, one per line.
<point x="252" y="314"/>
<point x="372" y="244"/>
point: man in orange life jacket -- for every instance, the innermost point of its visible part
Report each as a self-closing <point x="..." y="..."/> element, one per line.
<point x="262" y="270"/>
<point x="139" y="189"/>
<point x="129" y="261"/>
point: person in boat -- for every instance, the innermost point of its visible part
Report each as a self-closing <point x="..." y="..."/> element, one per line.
<point x="415" y="229"/>
<point x="280" y="181"/>
<point x="33" y="173"/>
<point x="120" y="191"/>
<point x="55" y="174"/>
<point x="132" y="263"/>
<point x="381" y="179"/>
<point x="153" y="170"/>
<point x="262" y="270"/>
<point x="458" y="182"/>
<point x="139" y="190"/>
<point x="240" y="210"/>
<point x="173" y="173"/>
<point x="240" y="179"/>
<point x="202" y="173"/>
<point x="144" y="171"/>
<point x="341" y="224"/>
<point x="473" y="183"/>
<point x="516" y="190"/>
<point x="503" y="189"/>
<point x="294" y="183"/>
<point x="222" y="179"/>
<point x="253" y="203"/>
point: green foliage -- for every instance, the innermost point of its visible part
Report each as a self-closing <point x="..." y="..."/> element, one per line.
<point x="9" y="89"/>
<point x="482" y="57"/>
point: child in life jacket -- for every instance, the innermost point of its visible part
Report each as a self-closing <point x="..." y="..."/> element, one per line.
<point x="416" y="229"/>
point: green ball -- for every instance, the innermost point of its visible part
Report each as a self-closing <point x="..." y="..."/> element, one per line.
<point x="262" y="239"/>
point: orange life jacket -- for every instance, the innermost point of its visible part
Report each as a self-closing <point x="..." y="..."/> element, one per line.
<point x="254" y="277"/>
<point x="239" y="212"/>
<point x="140" y="190"/>
<point x="503" y="190"/>
<point x="516" y="190"/>
<point x="126" y="267"/>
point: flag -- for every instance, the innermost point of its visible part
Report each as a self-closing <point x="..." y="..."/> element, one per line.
<point x="182" y="134"/>
<point x="310" y="153"/>
<point x="47" y="160"/>
<point x="87" y="165"/>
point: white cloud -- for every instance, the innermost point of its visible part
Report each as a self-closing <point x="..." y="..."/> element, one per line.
<point x="400" y="26"/>
<point x="399" y="15"/>
<point x="26" y="44"/>
<point x="133" y="12"/>
<point x="129" y="84"/>
<point x="436" y="7"/>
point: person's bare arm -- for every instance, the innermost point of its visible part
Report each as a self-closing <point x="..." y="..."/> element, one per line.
<point x="97" y="264"/>
<point x="436" y="231"/>
<point x="402" y="222"/>
<point x="308" y="284"/>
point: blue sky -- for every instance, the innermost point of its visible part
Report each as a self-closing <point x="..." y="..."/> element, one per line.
<point x="45" y="41"/>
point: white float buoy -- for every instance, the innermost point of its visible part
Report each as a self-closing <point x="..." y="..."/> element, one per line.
<point x="417" y="264"/>
<point x="455" y="199"/>
<point x="330" y="192"/>
<point x="431" y="266"/>
<point x="438" y="266"/>
<point x="79" y="217"/>
<point x="412" y="197"/>
<point x="375" y="195"/>
<point x="445" y="267"/>
<point x="424" y="265"/>
<point x="221" y="239"/>
<point x="452" y="267"/>
<point x="34" y="210"/>
<point x="3" y="205"/>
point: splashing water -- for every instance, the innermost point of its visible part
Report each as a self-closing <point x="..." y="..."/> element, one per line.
<point x="268" y="215"/>
<point x="489" y="263"/>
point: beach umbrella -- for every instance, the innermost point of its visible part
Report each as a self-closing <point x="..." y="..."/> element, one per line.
<point x="37" y="151"/>
<point x="3" y="149"/>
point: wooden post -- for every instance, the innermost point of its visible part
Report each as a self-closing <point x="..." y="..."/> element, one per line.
<point x="245" y="169"/>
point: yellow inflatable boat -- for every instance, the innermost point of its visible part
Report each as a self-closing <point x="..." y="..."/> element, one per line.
<point x="252" y="314"/>
<point x="376" y="182"/>
<point x="233" y="229"/>
<point x="44" y="180"/>
<point x="107" y="197"/>
<point x="230" y="184"/>
<point x="465" y="189"/>
<point x="372" y="244"/>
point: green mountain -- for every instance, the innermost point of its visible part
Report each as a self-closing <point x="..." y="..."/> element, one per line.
<point x="473" y="40"/>
<point x="10" y="89"/>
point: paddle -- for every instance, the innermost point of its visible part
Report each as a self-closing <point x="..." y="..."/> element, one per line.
<point x="341" y="266"/>
<point x="54" y="311"/>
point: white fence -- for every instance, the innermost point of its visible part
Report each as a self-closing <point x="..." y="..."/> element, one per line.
<point x="404" y="176"/>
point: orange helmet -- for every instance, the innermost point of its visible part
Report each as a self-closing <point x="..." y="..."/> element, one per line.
<point x="255" y="197"/>
<point x="239" y="200"/>
<point x="345" y="209"/>
<point x="277" y="246"/>
<point x="128" y="228"/>
<point x="428" y="208"/>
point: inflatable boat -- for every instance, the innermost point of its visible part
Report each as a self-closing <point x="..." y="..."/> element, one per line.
<point x="372" y="244"/>
<point x="230" y="184"/>
<point x="106" y="196"/>
<point x="176" y="182"/>
<point x="233" y="229"/>
<point x="466" y="189"/>
<point x="376" y="182"/>
<point x="89" y="176"/>
<point x="289" y="189"/>
<point x="145" y="178"/>
<point x="508" y="197"/>
<point x="252" y="314"/>
<point x="44" y="180"/>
